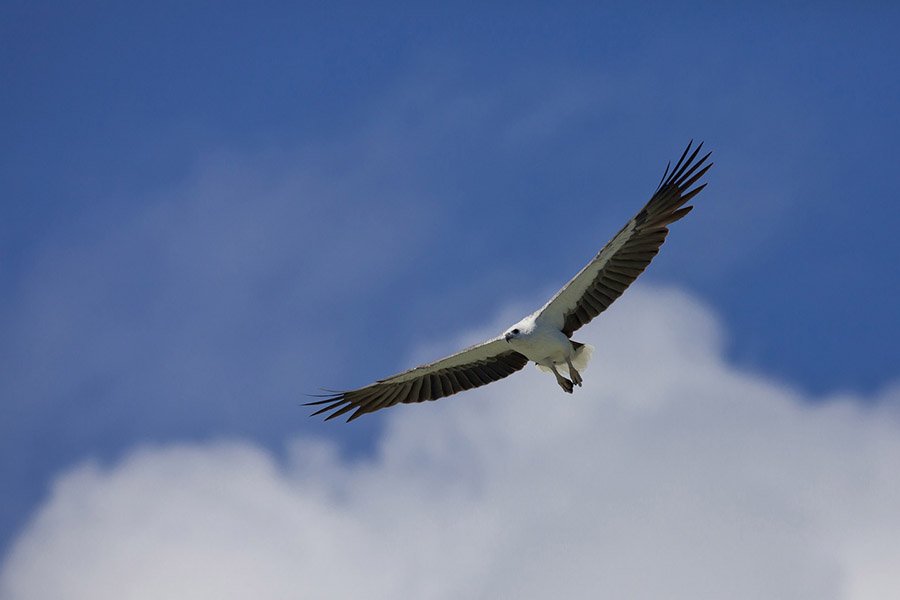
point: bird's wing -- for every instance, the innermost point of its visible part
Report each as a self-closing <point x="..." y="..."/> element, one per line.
<point x="470" y="368"/>
<point x="626" y="256"/>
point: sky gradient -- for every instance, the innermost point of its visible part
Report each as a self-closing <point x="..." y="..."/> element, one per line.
<point x="208" y="212"/>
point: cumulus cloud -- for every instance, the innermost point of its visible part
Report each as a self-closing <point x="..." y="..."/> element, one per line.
<point x="671" y="474"/>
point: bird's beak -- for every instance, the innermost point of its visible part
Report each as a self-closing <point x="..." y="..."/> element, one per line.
<point x="507" y="336"/>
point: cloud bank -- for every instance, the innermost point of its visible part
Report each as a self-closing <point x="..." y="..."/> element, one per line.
<point x="671" y="474"/>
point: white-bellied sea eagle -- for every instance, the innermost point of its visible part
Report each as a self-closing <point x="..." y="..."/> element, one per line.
<point x="544" y="337"/>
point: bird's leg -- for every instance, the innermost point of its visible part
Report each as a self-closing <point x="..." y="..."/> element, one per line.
<point x="564" y="383"/>
<point x="575" y="375"/>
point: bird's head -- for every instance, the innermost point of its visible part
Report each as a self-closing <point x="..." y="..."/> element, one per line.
<point x="518" y="330"/>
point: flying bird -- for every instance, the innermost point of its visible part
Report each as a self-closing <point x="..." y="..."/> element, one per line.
<point x="543" y="337"/>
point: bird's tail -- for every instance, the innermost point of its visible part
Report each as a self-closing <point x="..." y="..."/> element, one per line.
<point x="583" y="353"/>
<point x="580" y="359"/>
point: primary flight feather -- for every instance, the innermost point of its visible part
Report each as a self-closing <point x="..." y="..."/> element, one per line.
<point x="544" y="337"/>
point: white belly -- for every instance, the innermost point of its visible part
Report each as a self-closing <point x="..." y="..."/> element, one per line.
<point x="545" y="346"/>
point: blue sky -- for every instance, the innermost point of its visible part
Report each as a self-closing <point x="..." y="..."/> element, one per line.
<point x="207" y="211"/>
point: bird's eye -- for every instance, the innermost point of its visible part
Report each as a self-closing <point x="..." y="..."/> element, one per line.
<point x="515" y="332"/>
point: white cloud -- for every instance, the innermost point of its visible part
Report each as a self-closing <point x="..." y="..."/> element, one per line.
<point x="670" y="474"/>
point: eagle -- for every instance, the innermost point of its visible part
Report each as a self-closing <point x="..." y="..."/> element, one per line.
<point x="545" y="336"/>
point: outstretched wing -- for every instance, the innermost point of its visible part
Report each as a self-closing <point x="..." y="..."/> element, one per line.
<point x="471" y="368"/>
<point x="626" y="256"/>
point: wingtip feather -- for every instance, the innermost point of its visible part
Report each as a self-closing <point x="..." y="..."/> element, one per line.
<point x="325" y="409"/>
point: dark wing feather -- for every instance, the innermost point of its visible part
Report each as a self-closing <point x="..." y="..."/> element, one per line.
<point x="470" y="368"/>
<point x="626" y="256"/>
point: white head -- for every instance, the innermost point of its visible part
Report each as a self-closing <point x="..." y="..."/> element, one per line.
<point x="520" y="329"/>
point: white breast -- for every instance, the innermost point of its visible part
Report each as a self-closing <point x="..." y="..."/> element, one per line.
<point x="543" y="345"/>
